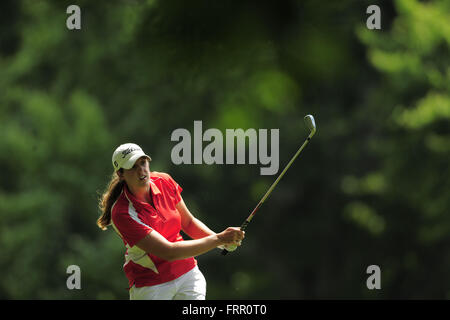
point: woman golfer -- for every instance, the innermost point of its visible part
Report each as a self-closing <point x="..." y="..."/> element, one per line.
<point x="147" y="211"/>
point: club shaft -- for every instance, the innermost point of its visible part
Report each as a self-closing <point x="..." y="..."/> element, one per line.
<point x="279" y="177"/>
<point x="250" y="217"/>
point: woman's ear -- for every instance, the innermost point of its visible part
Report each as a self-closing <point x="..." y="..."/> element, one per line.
<point x="120" y="173"/>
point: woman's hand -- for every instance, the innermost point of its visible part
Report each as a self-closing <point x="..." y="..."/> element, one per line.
<point x="232" y="236"/>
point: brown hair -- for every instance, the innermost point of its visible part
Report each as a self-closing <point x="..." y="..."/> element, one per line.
<point x="107" y="199"/>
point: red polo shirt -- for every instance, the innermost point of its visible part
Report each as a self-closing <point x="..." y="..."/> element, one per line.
<point x="133" y="220"/>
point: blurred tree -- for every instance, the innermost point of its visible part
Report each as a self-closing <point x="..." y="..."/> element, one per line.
<point x="409" y="134"/>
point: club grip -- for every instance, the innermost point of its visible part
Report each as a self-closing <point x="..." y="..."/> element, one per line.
<point x="242" y="227"/>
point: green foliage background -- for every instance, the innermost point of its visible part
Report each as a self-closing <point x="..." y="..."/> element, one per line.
<point x="373" y="187"/>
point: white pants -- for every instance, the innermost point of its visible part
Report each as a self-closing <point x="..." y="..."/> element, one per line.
<point x="189" y="286"/>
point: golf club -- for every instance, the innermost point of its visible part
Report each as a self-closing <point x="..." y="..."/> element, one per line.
<point x="311" y="124"/>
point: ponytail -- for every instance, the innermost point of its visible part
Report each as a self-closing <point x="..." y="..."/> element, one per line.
<point x="107" y="200"/>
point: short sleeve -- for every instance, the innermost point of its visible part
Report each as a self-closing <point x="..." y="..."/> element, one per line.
<point x="176" y="189"/>
<point x="172" y="188"/>
<point x="130" y="227"/>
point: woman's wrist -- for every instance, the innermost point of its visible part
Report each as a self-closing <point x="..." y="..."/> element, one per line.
<point x="217" y="239"/>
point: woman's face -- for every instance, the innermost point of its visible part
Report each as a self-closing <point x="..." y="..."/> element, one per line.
<point x="138" y="176"/>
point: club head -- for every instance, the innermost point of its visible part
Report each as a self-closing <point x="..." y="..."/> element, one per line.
<point x="311" y="124"/>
